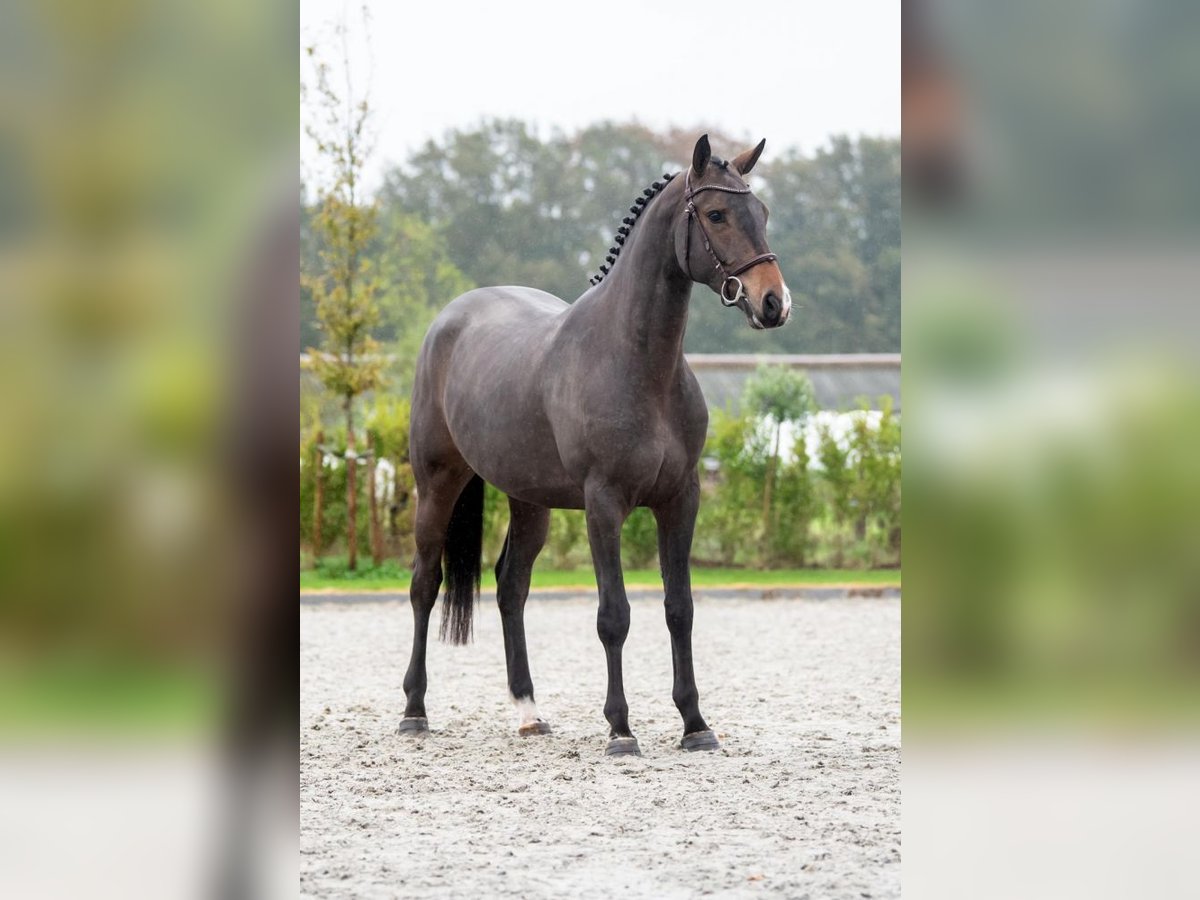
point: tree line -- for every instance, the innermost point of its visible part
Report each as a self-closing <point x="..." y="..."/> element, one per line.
<point x="496" y="204"/>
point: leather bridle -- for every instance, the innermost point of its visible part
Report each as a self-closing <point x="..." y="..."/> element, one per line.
<point x="729" y="275"/>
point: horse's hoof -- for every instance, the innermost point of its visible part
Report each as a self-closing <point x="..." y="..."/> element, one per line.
<point x="413" y="725"/>
<point x="700" y="740"/>
<point x="535" y="727"/>
<point x="623" y="746"/>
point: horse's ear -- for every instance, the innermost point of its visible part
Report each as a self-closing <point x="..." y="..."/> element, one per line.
<point x="701" y="154"/>
<point x="744" y="162"/>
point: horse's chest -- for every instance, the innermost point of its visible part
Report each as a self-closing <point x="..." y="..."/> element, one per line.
<point x="673" y="467"/>
<point x="659" y="457"/>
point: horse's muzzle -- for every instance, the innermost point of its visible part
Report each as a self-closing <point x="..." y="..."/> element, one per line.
<point x="772" y="310"/>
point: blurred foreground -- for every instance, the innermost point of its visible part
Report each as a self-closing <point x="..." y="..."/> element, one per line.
<point x="1052" y="610"/>
<point x="148" y="275"/>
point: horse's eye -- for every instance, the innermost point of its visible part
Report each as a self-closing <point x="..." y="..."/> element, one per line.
<point x="715" y="216"/>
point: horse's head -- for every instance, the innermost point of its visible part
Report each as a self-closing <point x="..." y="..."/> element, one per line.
<point x="720" y="238"/>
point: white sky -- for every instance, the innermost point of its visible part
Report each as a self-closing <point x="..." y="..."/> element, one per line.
<point x="792" y="72"/>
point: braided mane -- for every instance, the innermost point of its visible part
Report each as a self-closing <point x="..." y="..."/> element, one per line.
<point x="639" y="204"/>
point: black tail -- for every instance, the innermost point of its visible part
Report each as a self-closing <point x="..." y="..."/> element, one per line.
<point x="464" y="547"/>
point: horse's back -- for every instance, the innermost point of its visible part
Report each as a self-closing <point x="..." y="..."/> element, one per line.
<point x="483" y="317"/>
<point x="508" y="307"/>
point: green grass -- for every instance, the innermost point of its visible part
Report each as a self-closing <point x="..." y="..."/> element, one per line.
<point x="108" y="698"/>
<point x="1116" y="698"/>
<point x="332" y="575"/>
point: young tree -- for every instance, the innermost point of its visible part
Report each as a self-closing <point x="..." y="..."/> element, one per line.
<point x="778" y="396"/>
<point x="416" y="279"/>
<point x="344" y="287"/>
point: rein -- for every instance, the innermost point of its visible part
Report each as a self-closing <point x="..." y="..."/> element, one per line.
<point x="728" y="275"/>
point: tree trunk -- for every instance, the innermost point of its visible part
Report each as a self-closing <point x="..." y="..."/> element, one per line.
<point x="319" y="498"/>
<point x="351" y="491"/>
<point x="373" y="503"/>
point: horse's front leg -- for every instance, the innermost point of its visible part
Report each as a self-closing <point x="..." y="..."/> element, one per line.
<point x="676" y="524"/>
<point x="606" y="511"/>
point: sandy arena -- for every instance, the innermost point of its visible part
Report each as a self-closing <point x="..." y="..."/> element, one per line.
<point x="803" y="799"/>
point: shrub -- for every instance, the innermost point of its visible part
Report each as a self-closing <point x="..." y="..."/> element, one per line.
<point x="875" y="486"/>
<point x="789" y="541"/>
<point x="836" y="481"/>
<point x="567" y="545"/>
<point x="333" y="514"/>
<point x="731" y="508"/>
<point x="387" y="425"/>
<point x="639" y="539"/>
<point x="841" y="509"/>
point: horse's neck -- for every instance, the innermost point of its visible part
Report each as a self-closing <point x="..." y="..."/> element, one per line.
<point x="646" y="293"/>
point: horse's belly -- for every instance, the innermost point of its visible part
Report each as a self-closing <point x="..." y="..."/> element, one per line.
<point x="524" y="465"/>
<point x="560" y="496"/>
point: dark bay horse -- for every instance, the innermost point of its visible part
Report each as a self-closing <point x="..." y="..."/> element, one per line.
<point x="584" y="406"/>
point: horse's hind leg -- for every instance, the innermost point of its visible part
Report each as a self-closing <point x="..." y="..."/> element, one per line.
<point x="435" y="504"/>
<point x="527" y="529"/>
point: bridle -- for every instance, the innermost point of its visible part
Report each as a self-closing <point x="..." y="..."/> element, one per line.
<point x="728" y="275"/>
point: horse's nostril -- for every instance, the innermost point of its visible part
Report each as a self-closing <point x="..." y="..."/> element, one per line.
<point x="772" y="307"/>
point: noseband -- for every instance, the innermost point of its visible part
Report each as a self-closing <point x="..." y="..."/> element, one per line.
<point x="729" y="275"/>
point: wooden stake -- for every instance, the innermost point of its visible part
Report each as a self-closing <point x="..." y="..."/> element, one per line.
<point x="373" y="503"/>
<point x="319" y="497"/>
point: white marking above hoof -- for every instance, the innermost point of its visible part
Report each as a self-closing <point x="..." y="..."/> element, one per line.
<point x="526" y="711"/>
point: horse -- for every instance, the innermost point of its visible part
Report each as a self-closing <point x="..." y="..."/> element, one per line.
<point x="591" y="406"/>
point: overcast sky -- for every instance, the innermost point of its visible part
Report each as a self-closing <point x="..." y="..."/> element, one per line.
<point x="793" y="72"/>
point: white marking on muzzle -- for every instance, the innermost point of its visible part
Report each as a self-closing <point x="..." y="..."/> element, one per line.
<point x="787" y="304"/>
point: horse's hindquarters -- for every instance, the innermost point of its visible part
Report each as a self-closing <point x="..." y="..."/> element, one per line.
<point x="479" y="394"/>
